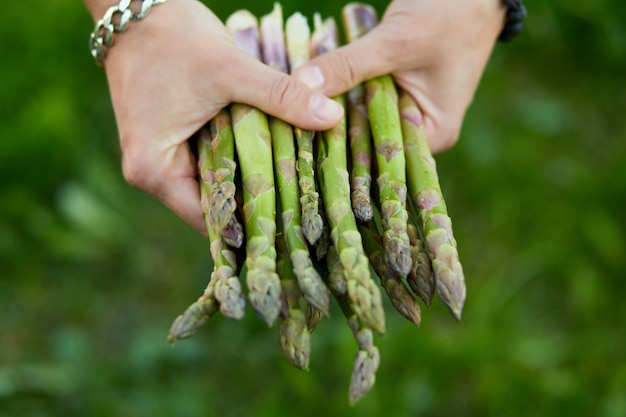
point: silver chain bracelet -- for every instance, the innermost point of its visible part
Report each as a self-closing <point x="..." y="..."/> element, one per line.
<point x="102" y="35"/>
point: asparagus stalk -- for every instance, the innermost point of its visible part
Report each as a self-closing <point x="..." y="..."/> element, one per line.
<point x="228" y="292"/>
<point x="364" y="294"/>
<point x="367" y="357"/>
<point x="284" y="152"/>
<point x="223" y="201"/>
<point x="382" y="103"/>
<point x="361" y="154"/>
<point x="399" y="295"/>
<point x="366" y="362"/>
<point x="195" y="316"/>
<point x="432" y="211"/>
<point x="297" y="35"/>
<point x="421" y="278"/>
<point x="321" y="246"/>
<point x="224" y="261"/>
<point x="253" y="145"/>
<point x="294" y="336"/>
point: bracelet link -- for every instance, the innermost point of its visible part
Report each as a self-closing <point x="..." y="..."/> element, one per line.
<point x="102" y="35"/>
<point x="515" y="15"/>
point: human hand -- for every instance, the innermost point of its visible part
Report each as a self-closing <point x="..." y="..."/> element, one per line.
<point x="436" y="49"/>
<point x="171" y="73"/>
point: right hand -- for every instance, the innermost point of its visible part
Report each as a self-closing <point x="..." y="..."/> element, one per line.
<point x="437" y="51"/>
<point x="168" y="75"/>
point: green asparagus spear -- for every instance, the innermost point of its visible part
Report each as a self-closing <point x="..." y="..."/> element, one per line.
<point x="224" y="272"/>
<point x="364" y="294"/>
<point x="284" y="151"/>
<point x="421" y="278"/>
<point x="382" y="103"/>
<point x="198" y="313"/>
<point x="253" y="145"/>
<point x="361" y="154"/>
<point x="366" y="362"/>
<point x="321" y="246"/>
<point x="293" y="331"/>
<point x="224" y="204"/>
<point x="399" y="295"/>
<point x="297" y="36"/>
<point x="195" y="316"/>
<point x="228" y="292"/>
<point x="433" y="213"/>
<point x="367" y="357"/>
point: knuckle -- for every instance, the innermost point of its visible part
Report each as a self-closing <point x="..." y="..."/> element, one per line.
<point x="345" y="67"/>
<point x="282" y="90"/>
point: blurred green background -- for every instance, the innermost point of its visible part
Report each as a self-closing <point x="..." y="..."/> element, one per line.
<point x="92" y="271"/>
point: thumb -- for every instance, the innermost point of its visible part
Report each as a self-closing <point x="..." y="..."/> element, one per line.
<point x="338" y="71"/>
<point x="284" y="96"/>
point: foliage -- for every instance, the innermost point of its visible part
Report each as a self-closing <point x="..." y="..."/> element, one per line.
<point x="94" y="271"/>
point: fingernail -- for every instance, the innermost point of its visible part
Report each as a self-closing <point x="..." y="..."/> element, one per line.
<point x="311" y="76"/>
<point x="324" y="108"/>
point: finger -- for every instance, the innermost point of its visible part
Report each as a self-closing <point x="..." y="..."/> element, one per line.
<point x="284" y="96"/>
<point x="338" y="71"/>
<point x="169" y="175"/>
<point x="442" y="129"/>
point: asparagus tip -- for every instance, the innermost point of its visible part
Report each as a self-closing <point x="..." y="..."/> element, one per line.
<point x="358" y="18"/>
<point x="295" y="339"/>
<point x="265" y="295"/>
<point x="312" y="226"/>
<point x="188" y="323"/>
<point x="362" y="207"/>
<point x="398" y="257"/>
<point x="232" y="233"/>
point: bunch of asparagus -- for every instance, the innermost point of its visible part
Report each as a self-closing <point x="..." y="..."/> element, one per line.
<point x="335" y="226"/>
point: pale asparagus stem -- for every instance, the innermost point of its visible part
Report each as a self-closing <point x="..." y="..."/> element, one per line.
<point x="421" y="278"/>
<point x="297" y="36"/>
<point x="382" y="103"/>
<point x="367" y="357"/>
<point x="293" y="332"/>
<point x="361" y="154"/>
<point x="399" y="295"/>
<point x="284" y="154"/>
<point x="432" y="211"/>
<point x="363" y="292"/>
<point x="358" y="19"/>
<point x="253" y="145"/>
<point x="223" y="202"/>
<point x="273" y="40"/>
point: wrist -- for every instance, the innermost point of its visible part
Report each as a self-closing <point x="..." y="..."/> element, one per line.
<point x="97" y="8"/>
<point x="115" y="20"/>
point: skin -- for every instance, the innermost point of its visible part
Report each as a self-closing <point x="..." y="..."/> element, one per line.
<point x="436" y="49"/>
<point x="172" y="72"/>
